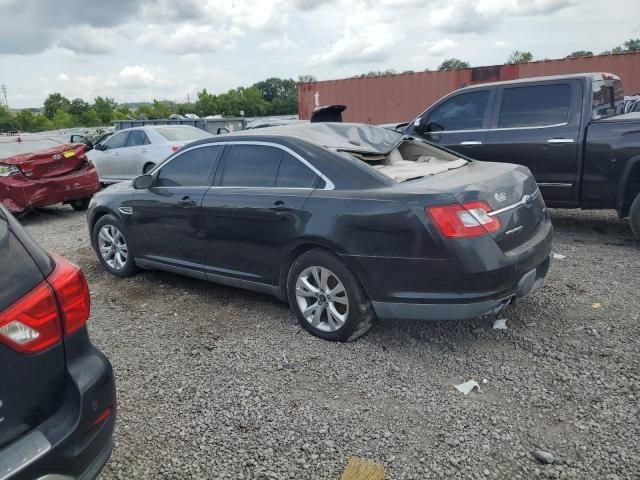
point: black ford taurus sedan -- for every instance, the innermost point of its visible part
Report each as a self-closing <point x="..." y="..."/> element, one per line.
<point x="347" y="222"/>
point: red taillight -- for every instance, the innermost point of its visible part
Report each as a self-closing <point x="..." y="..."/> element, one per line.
<point x="56" y="307"/>
<point x="32" y="323"/>
<point x="175" y="148"/>
<point x="72" y="291"/>
<point x="463" y="220"/>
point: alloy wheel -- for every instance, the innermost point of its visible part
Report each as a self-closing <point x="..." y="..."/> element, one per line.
<point x="322" y="298"/>
<point x="113" y="247"/>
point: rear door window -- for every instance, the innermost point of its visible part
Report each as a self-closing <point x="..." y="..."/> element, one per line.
<point x="19" y="272"/>
<point x="461" y="112"/>
<point x="137" y="138"/>
<point x="250" y="166"/>
<point x="535" y="106"/>
<point x="189" y="169"/>
<point x="292" y="173"/>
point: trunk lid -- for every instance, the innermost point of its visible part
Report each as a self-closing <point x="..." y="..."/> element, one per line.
<point x="31" y="385"/>
<point x="510" y="191"/>
<point x="50" y="163"/>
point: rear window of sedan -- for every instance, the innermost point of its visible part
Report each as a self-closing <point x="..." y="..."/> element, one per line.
<point x="187" y="134"/>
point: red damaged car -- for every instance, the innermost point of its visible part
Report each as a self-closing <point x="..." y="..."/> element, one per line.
<point x="59" y="173"/>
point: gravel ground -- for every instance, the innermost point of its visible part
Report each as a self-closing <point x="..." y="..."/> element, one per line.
<point x="215" y="382"/>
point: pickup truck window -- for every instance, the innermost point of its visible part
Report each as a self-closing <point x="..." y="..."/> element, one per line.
<point x="608" y="98"/>
<point x="535" y="106"/>
<point x="462" y="112"/>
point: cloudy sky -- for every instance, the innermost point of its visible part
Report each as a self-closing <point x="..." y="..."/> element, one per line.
<point x="139" y="50"/>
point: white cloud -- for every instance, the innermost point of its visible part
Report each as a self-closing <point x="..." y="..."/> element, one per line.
<point x="63" y="77"/>
<point x="479" y="16"/>
<point x="89" y="40"/>
<point x="282" y="43"/>
<point x="367" y="37"/>
<point x="440" y="46"/>
<point x="135" y="76"/>
<point x="500" y="44"/>
<point x="186" y="38"/>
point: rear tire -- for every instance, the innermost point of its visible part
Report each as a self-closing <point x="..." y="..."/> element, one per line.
<point x="110" y="243"/>
<point x="634" y="217"/>
<point x="147" y="168"/>
<point x="327" y="298"/>
<point x="80" y="205"/>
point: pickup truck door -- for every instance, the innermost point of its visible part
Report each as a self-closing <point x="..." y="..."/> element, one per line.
<point x="458" y="122"/>
<point x="538" y="125"/>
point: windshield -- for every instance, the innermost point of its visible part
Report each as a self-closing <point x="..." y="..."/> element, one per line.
<point x="182" y="134"/>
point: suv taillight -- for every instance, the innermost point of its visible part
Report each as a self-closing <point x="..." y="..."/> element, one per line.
<point x="56" y="307"/>
<point x="470" y="219"/>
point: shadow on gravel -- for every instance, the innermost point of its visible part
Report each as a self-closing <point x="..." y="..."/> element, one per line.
<point x="578" y="222"/>
<point x="38" y="215"/>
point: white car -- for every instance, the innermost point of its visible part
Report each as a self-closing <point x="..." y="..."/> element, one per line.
<point x="134" y="151"/>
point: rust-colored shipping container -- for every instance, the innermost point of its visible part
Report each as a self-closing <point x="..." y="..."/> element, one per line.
<point x="400" y="98"/>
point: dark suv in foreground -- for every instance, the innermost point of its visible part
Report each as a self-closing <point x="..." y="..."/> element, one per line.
<point x="347" y="222"/>
<point x="57" y="391"/>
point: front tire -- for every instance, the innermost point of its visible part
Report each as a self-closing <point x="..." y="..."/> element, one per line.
<point x="111" y="245"/>
<point x="327" y="298"/>
<point x="634" y="217"/>
<point x="80" y="205"/>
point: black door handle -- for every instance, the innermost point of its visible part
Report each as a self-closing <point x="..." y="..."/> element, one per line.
<point x="187" y="202"/>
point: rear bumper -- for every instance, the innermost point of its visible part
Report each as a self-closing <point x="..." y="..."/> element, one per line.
<point x="69" y="445"/>
<point x="477" y="279"/>
<point x="460" y="308"/>
<point x="18" y="193"/>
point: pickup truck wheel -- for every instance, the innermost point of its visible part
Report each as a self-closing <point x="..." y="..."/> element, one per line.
<point x="80" y="205"/>
<point x="634" y="217"/>
<point x="327" y="298"/>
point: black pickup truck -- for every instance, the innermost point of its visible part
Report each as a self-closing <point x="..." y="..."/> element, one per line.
<point x="568" y="130"/>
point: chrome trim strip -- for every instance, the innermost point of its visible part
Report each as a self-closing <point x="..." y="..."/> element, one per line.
<point x="329" y="185"/>
<point x="533" y="127"/>
<point x="560" y="140"/>
<point x="126" y="210"/>
<point x="520" y="203"/>
<point x="555" y="184"/>
<point x="22" y="453"/>
<point x="471" y="142"/>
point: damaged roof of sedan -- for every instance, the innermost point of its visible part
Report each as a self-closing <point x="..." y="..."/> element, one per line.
<point x="354" y="137"/>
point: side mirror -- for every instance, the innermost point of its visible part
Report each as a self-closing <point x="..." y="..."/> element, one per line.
<point x="99" y="146"/>
<point x="143" y="182"/>
<point x="82" y="139"/>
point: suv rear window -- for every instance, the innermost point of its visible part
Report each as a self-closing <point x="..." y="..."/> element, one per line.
<point x="535" y="106"/>
<point x="19" y="272"/>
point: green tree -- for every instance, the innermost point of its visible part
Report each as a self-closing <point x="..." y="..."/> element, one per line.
<point x="7" y="121"/>
<point x="183" y="108"/>
<point x="306" y="79"/>
<point x="162" y="109"/>
<point x="55" y="102"/>
<point x="41" y="123"/>
<point x="581" y="53"/>
<point x="77" y="107"/>
<point x="276" y="88"/>
<point x="25" y="120"/>
<point x="104" y="108"/>
<point x="519" y="57"/>
<point x="90" y="119"/>
<point x="632" y="45"/>
<point x="62" y="119"/>
<point x="206" y="103"/>
<point x="453" y="64"/>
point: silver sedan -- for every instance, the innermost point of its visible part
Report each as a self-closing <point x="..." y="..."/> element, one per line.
<point x="134" y="151"/>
